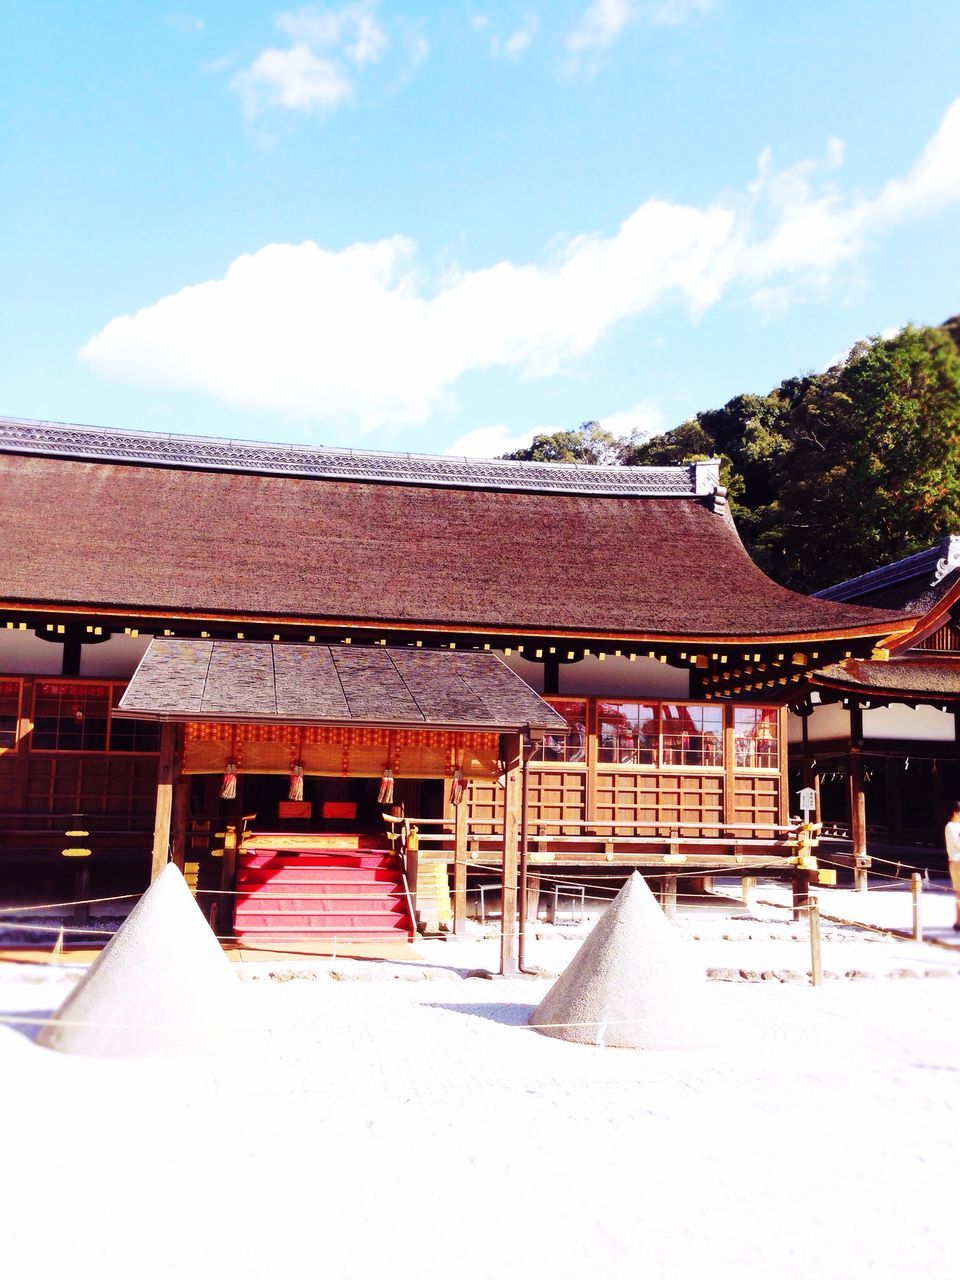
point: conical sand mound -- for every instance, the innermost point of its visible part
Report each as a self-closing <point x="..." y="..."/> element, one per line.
<point x="161" y="985"/>
<point x="632" y="985"/>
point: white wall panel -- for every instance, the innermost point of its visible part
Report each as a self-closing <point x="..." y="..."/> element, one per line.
<point x="23" y="654"/>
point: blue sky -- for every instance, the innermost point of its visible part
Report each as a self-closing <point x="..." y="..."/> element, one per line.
<point x="441" y="227"/>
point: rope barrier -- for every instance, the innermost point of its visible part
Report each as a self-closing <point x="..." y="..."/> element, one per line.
<point x="78" y="902"/>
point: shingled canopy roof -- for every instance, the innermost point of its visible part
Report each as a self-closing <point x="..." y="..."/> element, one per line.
<point x="142" y="525"/>
<point x="214" y="680"/>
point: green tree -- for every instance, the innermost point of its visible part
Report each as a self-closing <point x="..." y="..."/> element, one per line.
<point x="589" y="443"/>
<point x="834" y="473"/>
<point x="873" y="468"/>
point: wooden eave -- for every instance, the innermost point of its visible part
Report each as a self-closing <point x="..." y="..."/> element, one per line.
<point x="398" y="625"/>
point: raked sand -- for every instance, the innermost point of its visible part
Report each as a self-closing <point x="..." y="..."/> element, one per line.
<point x="397" y="1129"/>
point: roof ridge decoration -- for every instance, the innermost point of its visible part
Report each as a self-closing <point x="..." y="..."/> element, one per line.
<point x="147" y="448"/>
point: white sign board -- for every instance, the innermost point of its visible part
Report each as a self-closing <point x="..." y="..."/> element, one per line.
<point x="808" y="802"/>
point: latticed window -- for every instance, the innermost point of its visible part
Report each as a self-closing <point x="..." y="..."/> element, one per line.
<point x="570" y="748"/>
<point x="70" y="717"/>
<point x="628" y="732"/>
<point x="755" y="737"/>
<point x="132" y="735"/>
<point x="9" y="712"/>
<point x="692" y="734"/>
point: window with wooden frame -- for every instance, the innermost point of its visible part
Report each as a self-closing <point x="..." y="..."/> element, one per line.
<point x="627" y="732"/>
<point x="570" y="748"/>
<point x="755" y="733"/>
<point x="10" y="692"/>
<point x="75" y="716"/>
<point x="691" y="734"/>
<point x="69" y="716"/>
<point x="132" y="735"/>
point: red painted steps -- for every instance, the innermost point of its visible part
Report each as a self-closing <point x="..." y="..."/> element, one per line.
<point x="320" y="887"/>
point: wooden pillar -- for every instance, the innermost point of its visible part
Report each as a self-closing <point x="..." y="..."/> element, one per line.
<point x="668" y="896"/>
<point x="729" y="771"/>
<point x="164" y="810"/>
<point x="181" y="805"/>
<point x="533" y="897"/>
<point x="783" y="807"/>
<point x="801" y="892"/>
<point x="511" y="747"/>
<point x="460" y="865"/>
<point x="748" y="891"/>
<point x="858" y="797"/>
<point x="591" y="756"/>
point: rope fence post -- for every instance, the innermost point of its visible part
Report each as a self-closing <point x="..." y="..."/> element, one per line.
<point x="916" y="891"/>
<point x="816" y="968"/>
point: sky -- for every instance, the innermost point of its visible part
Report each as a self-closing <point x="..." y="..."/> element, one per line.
<point x="443" y="227"/>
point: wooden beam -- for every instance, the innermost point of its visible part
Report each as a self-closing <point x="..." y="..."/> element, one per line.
<point x="164" y="810"/>
<point x="513" y="762"/>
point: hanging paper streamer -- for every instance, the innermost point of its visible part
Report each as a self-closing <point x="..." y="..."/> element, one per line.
<point x="456" y="787"/>
<point x="296" y="782"/>
<point x="228" y="789"/>
<point x="385" y="794"/>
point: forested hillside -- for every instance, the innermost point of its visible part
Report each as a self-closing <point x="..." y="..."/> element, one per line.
<point x="829" y="474"/>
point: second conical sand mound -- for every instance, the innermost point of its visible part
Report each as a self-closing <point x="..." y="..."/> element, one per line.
<point x="161" y="986"/>
<point x="632" y="985"/>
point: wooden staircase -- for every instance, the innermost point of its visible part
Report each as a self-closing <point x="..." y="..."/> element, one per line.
<point x="320" y="887"/>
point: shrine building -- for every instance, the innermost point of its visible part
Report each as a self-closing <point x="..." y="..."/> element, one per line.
<point x="580" y="663"/>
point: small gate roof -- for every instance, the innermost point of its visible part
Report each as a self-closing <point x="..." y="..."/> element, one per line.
<point x="253" y="682"/>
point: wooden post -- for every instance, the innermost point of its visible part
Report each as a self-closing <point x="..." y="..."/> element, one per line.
<point x="748" y="890"/>
<point x="460" y="866"/>
<point x="783" y="806"/>
<point x="858" y="799"/>
<point x="181" y="805"/>
<point x="533" y="897"/>
<point x="164" y="811"/>
<point x="801" y="892"/>
<point x="816" y="969"/>
<point x="228" y="878"/>
<point x="513" y="760"/>
<point x="592" y="756"/>
<point x="916" y="890"/>
<point x="729" y="771"/>
<point x="668" y="896"/>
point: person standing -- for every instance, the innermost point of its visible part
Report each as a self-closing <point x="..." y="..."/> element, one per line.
<point x="951" y="836"/>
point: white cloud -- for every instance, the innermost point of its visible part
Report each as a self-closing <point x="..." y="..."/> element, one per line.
<point x="358" y="336"/>
<point x="602" y="21"/>
<point x="644" y="418"/>
<point x="517" y="43"/>
<point x="493" y="442"/>
<point x="316" y="73"/>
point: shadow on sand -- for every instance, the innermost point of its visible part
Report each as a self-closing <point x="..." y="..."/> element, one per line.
<point x="508" y="1015"/>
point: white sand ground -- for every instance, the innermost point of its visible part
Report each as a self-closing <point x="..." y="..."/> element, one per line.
<point x="387" y="1128"/>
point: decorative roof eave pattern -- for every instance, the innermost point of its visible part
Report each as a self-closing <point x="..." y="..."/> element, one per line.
<point x="143" y="448"/>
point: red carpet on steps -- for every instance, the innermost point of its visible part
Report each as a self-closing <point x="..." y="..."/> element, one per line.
<point x="351" y="893"/>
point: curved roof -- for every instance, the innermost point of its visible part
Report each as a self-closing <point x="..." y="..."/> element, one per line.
<point x="901" y="679"/>
<point x="174" y="540"/>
